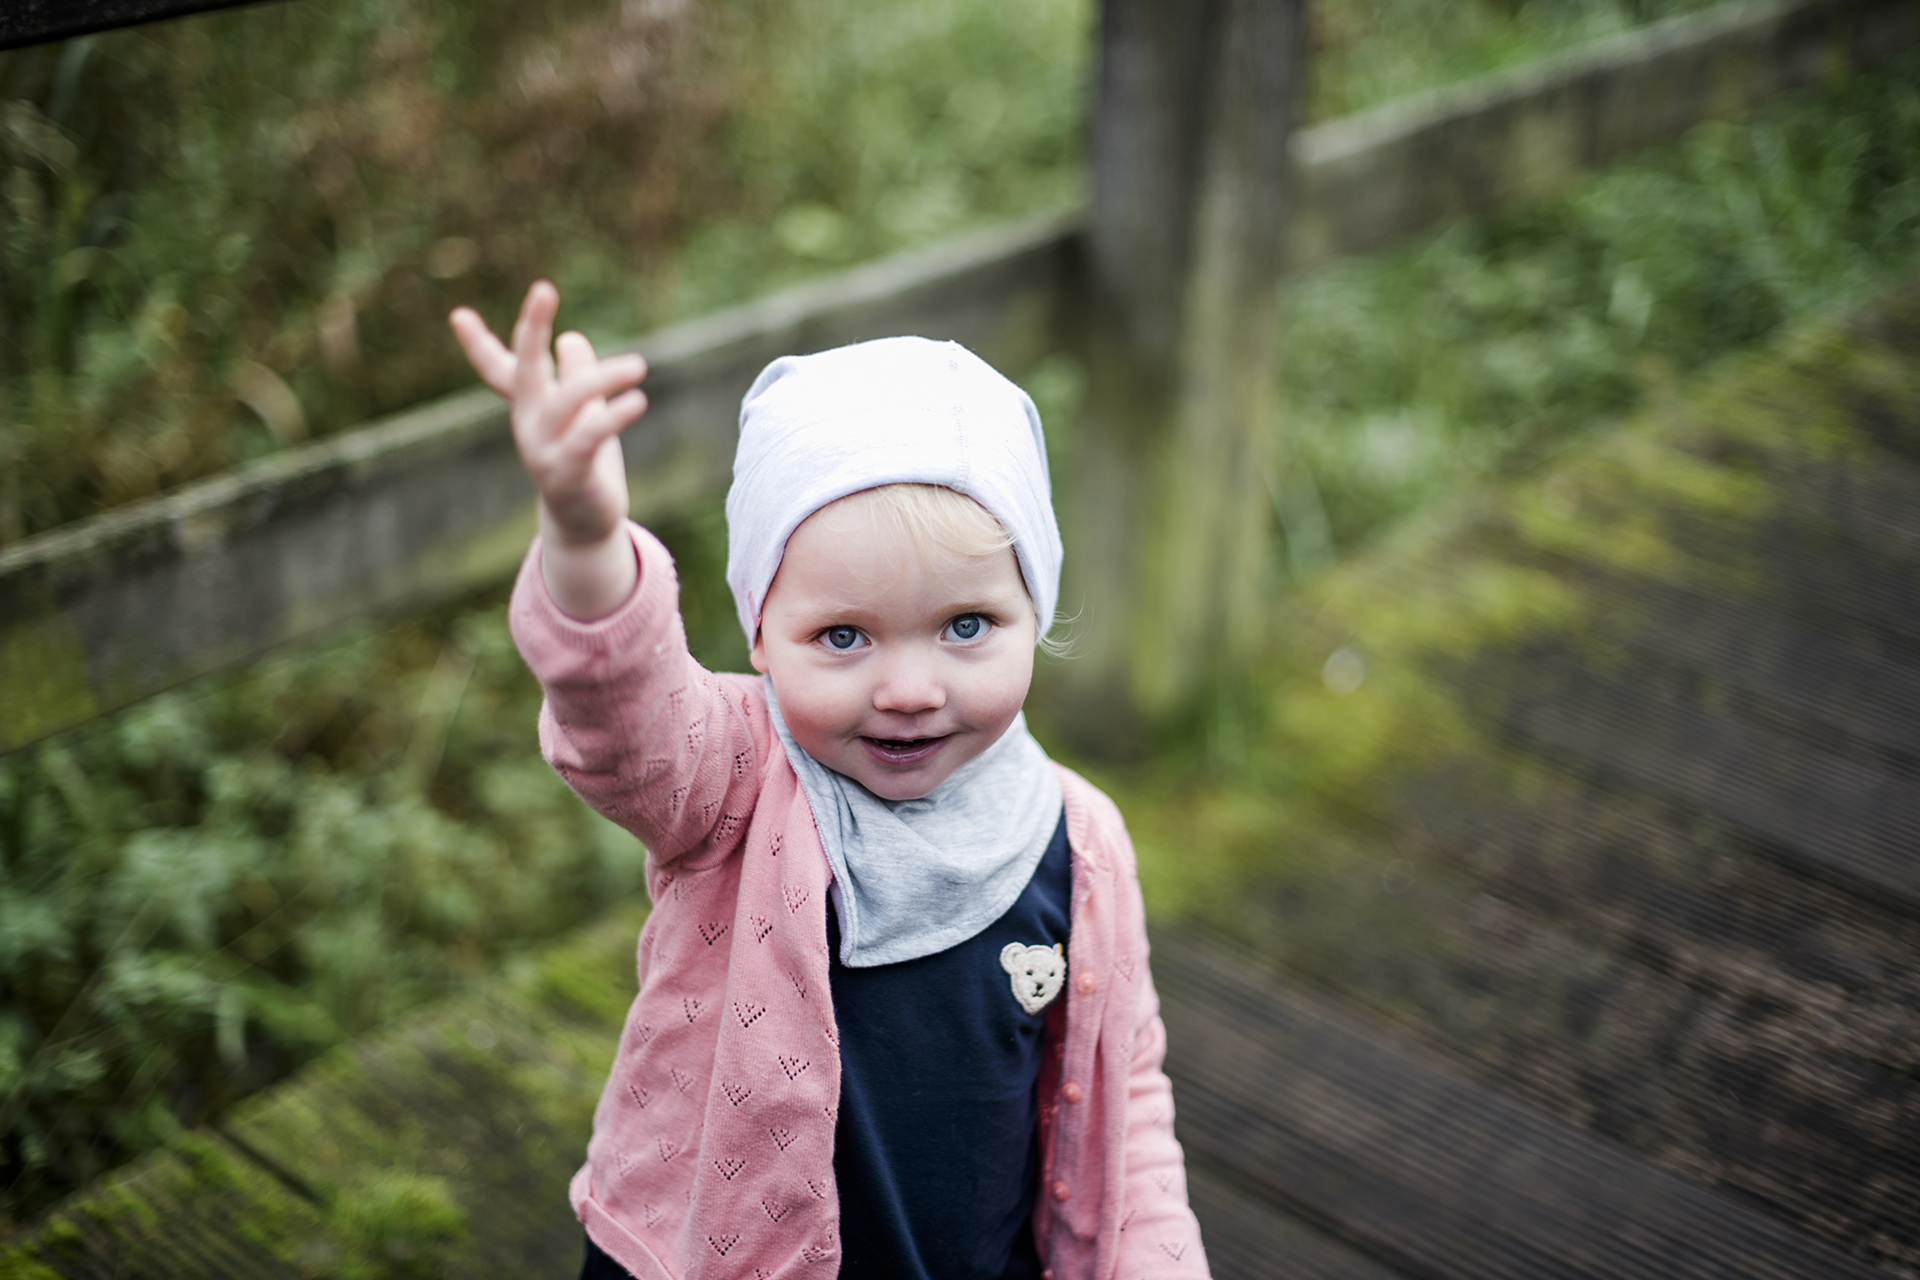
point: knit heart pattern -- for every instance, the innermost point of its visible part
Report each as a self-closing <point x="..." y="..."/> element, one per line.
<point x="1038" y="973"/>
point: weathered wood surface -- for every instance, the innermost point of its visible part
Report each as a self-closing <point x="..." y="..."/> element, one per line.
<point x="429" y="504"/>
<point x="1648" y="859"/>
<point x="1249" y="1238"/>
<point x="1425" y="1169"/>
<point x="1184" y="249"/>
<point x="442" y="1148"/>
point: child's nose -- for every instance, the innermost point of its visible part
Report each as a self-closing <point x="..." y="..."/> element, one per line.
<point x="908" y="686"/>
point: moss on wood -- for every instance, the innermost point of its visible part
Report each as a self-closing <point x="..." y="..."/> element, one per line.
<point x="441" y="1147"/>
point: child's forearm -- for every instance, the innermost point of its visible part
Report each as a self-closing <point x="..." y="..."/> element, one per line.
<point x="646" y="736"/>
<point x="587" y="580"/>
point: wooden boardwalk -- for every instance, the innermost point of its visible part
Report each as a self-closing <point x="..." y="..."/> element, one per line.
<point x="1635" y="989"/>
<point x="1607" y="965"/>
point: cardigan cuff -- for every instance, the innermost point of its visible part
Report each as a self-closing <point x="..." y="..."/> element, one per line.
<point x="656" y="595"/>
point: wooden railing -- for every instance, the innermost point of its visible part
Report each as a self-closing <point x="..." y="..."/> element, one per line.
<point x="430" y="504"/>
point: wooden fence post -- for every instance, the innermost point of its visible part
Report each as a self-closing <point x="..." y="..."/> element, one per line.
<point x="1166" y="508"/>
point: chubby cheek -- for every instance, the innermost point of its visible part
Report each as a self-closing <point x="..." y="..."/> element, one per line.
<point x="818" y="708"/>
<point x="999" y="694"/>
<point x="989" y="697"/>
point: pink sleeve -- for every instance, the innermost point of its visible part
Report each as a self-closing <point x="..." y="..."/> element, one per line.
<point x="1160" y="1236"/>
<point x="646" y="735"/>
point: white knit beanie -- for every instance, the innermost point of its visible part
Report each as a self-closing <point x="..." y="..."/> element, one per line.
<point x="814" y="429"/>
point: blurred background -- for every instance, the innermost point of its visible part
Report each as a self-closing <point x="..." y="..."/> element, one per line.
<point x="230" y="234"/>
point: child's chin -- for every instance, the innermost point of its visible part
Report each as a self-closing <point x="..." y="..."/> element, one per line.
<point x="895" y="786"/>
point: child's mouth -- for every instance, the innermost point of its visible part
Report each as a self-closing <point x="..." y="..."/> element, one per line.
<point x="904" y="750"/>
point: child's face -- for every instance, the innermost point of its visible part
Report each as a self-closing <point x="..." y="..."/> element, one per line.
<point x="894" y="664"/>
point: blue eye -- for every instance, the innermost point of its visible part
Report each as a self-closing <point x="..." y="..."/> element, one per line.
<point x="842" y="638"/>
<point x="968" y="626"/>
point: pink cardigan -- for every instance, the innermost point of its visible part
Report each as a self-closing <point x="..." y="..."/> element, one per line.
<point x="712" y="1149"/>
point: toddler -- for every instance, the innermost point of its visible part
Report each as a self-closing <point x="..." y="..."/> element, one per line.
<point x="894" y="1014"/>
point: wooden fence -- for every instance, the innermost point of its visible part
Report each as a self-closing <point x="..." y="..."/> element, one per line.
<point x="430" y="504"/>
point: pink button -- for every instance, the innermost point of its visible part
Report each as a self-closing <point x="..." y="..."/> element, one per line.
<point x="1047" y="1274"/>
<point x="1061" y="1191"/>
<point x="1071" y="1091"/>
<point x="1085" y="984"/>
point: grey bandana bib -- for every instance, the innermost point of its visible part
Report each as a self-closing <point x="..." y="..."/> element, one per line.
<point x="912" y="877"/>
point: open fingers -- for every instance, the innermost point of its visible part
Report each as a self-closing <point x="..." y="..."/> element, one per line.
<point x="574" y="352"/>
<point x="585" y="384"/>
<point x="621" y="411"/>
<point x="486" y="353"/>
<point x="601" y="422"/>
<point x="607" y="418"/>
<point x="537" y="290"/>
<point x="532" y="338"/>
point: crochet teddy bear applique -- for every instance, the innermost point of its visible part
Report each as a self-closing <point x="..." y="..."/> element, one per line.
<point x="1038" y="973"/>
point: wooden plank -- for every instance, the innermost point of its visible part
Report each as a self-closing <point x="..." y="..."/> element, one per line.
<point x="1659" y="981"/>
<point x="1640" y="974"/>
<point x="1825" y="581"/>
<point x="442" y="1146"/>
<point x="1806" y="681"/>
<point x="490" y="1096"/>
<point x="1423" y="1167"/>
<point x="1875" y="503"/>
<point x="1830" y="816"/>
<point x="1689" y="900"/>
<point x="1248" y="1238"/>
<point x="194" y="1212"/>
<point x="481" y="1100"/>
<point x="1634" y="959"/>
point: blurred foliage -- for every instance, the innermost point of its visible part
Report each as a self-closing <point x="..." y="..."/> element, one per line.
<point x="862" y="127"/>
<point x="226" y="234"/>
<point x="1366" y="52"/>
<point x="229" y="233"/>
<point x="204" y="891"/>
<point x="1484" y="348"/>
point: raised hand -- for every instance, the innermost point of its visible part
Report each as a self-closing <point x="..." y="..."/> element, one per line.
<point x="567" y="431"/>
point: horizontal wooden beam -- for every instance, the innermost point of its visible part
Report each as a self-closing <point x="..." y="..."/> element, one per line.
<point x="430" y="504"/>
<point x="1372" y="178"/>
<point x="24" y="22"/>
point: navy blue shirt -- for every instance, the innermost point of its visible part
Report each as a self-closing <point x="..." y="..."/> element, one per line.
<point x="937" y="1149"/>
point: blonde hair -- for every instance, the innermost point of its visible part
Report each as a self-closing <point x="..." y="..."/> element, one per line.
<point x="933" y="517"/>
